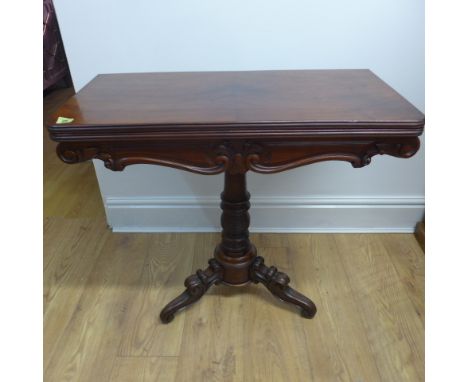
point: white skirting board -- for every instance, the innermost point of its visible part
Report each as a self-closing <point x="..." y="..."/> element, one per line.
<point x="267" y="214"/>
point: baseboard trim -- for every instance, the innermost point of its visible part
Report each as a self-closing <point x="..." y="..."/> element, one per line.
<point x="276" y="201"/>
<point x="268" y="214"/>
<point x="262" y="230"/>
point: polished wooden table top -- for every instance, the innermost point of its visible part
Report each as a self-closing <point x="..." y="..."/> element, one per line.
<point x="210" y="122"/>
<point x="200" y="105"/>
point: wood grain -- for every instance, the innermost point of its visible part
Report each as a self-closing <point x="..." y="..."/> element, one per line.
<point x="89" y="337"/>
<point x="394" y="330"/>
<point x="145" y="369"/>
<point x="339" y="331"/>
<point x="211" y="341"/>
<point x="167" y="263"/>
<point x="316" y="99"/>
<point x="64" y="190"/>
<point x="275" y="330"/>
<point x="408" y="261"/>
<point x="72" y="248"/>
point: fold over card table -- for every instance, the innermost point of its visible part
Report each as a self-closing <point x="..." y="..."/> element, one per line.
<point x="233" y="122"/>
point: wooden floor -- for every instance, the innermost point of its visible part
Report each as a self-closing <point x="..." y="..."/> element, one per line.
<point x="103" y="292"/>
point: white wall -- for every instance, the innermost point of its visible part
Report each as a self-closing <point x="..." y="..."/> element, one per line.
<point x="386" y="36"/>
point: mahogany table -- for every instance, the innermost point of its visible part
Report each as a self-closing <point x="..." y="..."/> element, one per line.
<point x="233" y="122"/>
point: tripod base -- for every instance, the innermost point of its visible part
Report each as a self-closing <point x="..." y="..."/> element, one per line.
<point x="235" y="259"/>
<point x="276" y="282"/>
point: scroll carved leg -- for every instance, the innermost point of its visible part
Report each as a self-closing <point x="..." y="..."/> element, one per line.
<point x="277" y="283"/>
<point x="196" y="285"/>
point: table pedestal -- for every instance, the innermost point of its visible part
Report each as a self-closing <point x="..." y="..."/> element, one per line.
<point x="235" y="259"/>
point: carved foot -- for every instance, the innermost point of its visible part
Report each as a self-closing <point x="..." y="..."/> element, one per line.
<point x="277" y="283"/>
<point x="196" y="285"/>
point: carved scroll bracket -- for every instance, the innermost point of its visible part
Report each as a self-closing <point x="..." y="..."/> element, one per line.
<point x="238" y="157"/>
<point x="70" y="155"/>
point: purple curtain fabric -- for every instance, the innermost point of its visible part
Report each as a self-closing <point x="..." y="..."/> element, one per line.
<point x="55" y="66"/>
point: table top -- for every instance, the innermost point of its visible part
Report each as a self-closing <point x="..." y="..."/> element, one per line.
<point x="201" y="105"/>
